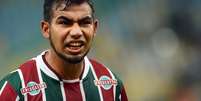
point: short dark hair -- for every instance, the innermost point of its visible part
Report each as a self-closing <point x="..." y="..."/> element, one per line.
<point x="49" y="4"/>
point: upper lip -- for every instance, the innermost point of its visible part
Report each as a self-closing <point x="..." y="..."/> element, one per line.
<point x="76" y="43"/>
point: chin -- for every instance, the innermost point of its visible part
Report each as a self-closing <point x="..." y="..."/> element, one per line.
<point x="75" y="59"/>
<point x="72" y="59"/>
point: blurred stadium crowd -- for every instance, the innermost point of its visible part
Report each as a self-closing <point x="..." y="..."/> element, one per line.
<point x="153" y="45"/>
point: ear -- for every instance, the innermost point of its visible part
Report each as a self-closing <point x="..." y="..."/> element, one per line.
<point x="95" y="26"/>
<point x="45" y="28"/>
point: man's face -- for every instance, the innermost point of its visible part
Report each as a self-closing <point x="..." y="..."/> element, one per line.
<point x="71" y="32"/>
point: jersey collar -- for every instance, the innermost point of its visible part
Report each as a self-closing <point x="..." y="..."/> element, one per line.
<point x="44" y="67"/>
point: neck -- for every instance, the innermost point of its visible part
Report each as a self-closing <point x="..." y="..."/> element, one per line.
<point x="64" y="69"/>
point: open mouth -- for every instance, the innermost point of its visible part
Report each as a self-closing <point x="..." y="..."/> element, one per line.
<point x="75" y="47"/>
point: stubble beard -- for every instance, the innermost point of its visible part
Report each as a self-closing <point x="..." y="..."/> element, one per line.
<point x="70" y="59"/>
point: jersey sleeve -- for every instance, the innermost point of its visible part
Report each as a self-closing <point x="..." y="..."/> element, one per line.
<point x="10" y="87"/>
<point x="7" y="92"/>
<point x="121" y="92"/>
<point x="123" y="96"/>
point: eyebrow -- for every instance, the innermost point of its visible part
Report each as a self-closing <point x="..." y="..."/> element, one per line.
<point x="64" y="18"/>
<point x="81" y="19"/>
<point x="86" y="18"/>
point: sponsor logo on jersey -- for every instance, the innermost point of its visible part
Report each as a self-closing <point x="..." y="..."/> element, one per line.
<point x="105" y="82"/>
<point x="33" y="88"/>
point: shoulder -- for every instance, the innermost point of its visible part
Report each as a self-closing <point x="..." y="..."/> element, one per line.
<point x="102" y="70"/>
<point x="97" y="64"/>
<point x="99" y="67"/>
<point x="106" y="78"/>
<point x="15" y="78"/>
<point x="12" y="79"/>
<point x="10" y="87"/>
<point x="16" y="73"/>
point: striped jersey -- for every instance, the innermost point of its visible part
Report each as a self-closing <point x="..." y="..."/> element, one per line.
<point x="35" y="80"/>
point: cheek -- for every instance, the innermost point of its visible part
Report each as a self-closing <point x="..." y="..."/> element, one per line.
<point x="57" y="38"/>
<point x="89" y="35"/>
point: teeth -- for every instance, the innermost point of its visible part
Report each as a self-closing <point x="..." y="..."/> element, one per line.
<point x="75" y="44"/>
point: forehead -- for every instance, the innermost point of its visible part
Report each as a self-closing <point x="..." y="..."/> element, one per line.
<point x="74" y="11"/>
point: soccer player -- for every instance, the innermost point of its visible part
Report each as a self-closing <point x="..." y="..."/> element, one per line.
<point x="64" y="72"/>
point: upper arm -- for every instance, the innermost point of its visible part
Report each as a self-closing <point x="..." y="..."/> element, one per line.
<point x="7" y="92"/>
<point x="121" y="92"/>
<point x="123" y="96"/>
<point x="10" y="87"/>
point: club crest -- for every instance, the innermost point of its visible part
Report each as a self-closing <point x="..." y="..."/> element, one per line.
<point x="33" y="88"/>
<point x="105" y="82"/>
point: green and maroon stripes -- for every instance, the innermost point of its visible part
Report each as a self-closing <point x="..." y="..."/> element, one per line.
<point x="120" y="91"/>
<point x="30" y="76"/>
<point x="53" y="91"/>
<point x="123" y="95"/>
<point x="100" y="70"/>
<point x="34" y="81"/>
<point x="90" y="90"/>
<point x="7" y="92"/>
<point x="14" y="80"/>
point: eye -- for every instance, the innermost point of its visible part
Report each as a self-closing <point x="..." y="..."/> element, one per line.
<point x="65" y="22"/>
<point x="85" y="22"/>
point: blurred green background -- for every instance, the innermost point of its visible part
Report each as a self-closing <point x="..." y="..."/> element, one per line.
<point x="153" y="45"/>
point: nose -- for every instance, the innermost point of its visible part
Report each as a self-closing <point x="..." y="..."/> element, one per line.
<point x="76" y="31"/>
